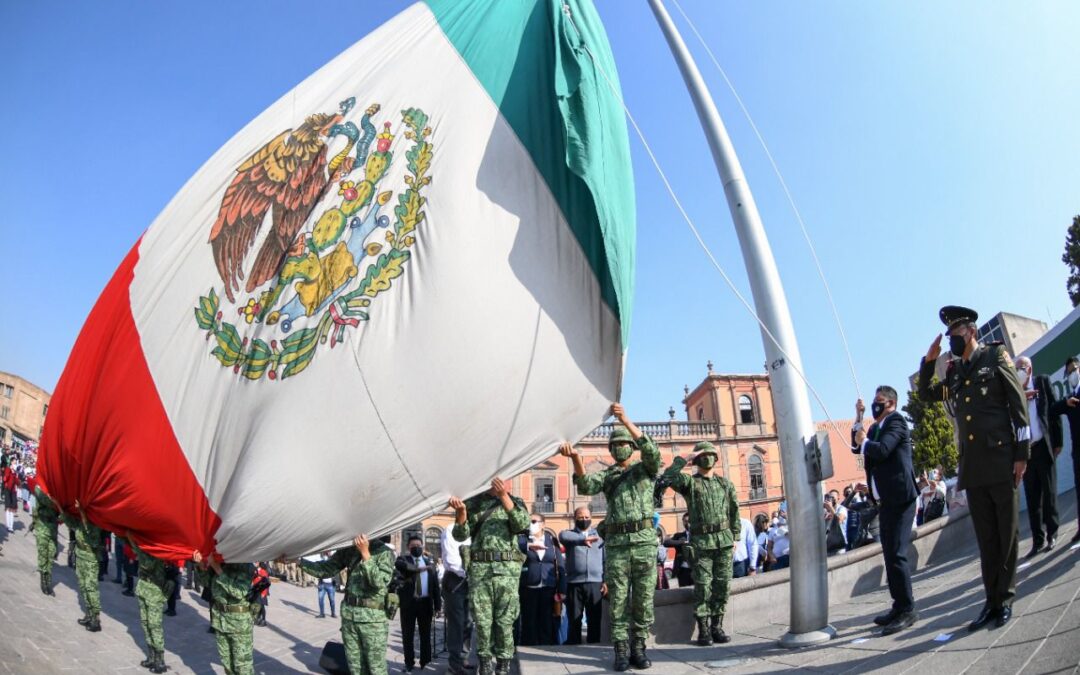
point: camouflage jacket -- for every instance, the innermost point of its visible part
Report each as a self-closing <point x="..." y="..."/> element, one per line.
<point x="151" y="569"/>
<point x="87" y="537"/>
<point x="368" y="580"/>
<point x="232" y="611"/>
<point x="711" y="504"/>
<point x="46" y="515"/>
<point x="497" y="535"/>
<point x="629" y="500"/>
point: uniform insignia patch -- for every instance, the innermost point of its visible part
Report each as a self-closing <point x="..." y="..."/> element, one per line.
<point x="984" y="390"/>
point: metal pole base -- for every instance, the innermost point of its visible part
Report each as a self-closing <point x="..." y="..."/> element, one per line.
<point x="814" y="637"/>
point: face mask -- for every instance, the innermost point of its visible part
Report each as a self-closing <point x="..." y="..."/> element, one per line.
<point x="621" y="453"/>
<point x="1074" y="379"/>
<point x="582" y="524"/>
<point x="1023" y="374"/>
<point x="876" y="409"/>
<point x="534" y="528"/>
<point x="707" y="462"/>
<point x="416" y="551"/>
<point x="957" y="344"/>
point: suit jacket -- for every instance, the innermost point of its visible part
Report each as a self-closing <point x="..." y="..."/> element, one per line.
<point x="407" y="569"/>
<point x="888" y="460"/>
<point x="549" y="570"/>
<point x="1059" y="408"/>
<point x="1051" y="424"/>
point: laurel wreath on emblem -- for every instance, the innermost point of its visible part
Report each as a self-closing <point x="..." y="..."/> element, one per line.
<point x="305" y="285"/>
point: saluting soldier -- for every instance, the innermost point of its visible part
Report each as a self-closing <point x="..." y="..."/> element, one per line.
<point x="87" y="543"/>
<point x="364" y="622"/>
<point x="714" y="529"/>
<point x="629" y="535"/>
<point x="152" y="590"/>
<point x="984" y="395"/>
<point x="45" y="526"/>
<point x="233" y="617"/>
<point x="493" y="520"/>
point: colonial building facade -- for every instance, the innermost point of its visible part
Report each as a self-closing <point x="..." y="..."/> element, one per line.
<point x="23" y="406"/>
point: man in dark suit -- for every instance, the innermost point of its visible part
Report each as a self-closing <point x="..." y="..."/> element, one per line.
<point x="1069" y="405"/>
<point x="1040" y="479"/>
<point x="678" y="541"/>
<point x="886" y="451"/>
<point x="983" y="393"/>
<point x="418" y="589"/>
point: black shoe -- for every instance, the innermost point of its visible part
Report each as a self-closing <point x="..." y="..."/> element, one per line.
<point x="1003" y="616"/>
<point x="502" y="666"/>
<point x="117" y="581"/>
<point x="320" y="616"/>
<point x="704" y="639"/>
<point x="85" y="620"/>
<point x="332" y="615"/>
<point x="987" y="614"/>
<point x="149" y="660"/>
<point x="94" y="626"/>
<point x="1050" y="542"/>
<point x="170" y="612"/>
<point x="407" y="669"/>
<point x="1036" y="549"/>
<point x="484" y="667"/>
<point x="128" y="592"/>
<point x="887" y="618"/>
<point x="637" y="654"/>
<point x="159" y="662"/>
<point x="717" y="633"/>
<point x="211" y="630"/>
<point x="903" y="620"/>
<point x="622" y="660"/>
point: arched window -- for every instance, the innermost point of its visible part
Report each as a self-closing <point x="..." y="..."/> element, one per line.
<point x="757" y="477"/>
<point x="433" y="542"/>
<point x="701" y="412"/>
<point x="746" y="409"/>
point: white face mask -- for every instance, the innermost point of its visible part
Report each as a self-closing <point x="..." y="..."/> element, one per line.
<point x="534" y="528"/>
<point x="1074" y="379"/>
<point x="1023" y="374"/>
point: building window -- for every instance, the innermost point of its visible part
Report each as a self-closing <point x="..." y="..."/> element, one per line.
<point x="859" y="463"/>
<point x="8" y="390"/>
<point x="757" y="477"/>
<point x="45" y="410"/>
<point x="701" y="412"/>
<point x="5" y="412"/>
<point x="433" y="542"/>
<point x="746" y="409"/>
<point x="544" y="494"/>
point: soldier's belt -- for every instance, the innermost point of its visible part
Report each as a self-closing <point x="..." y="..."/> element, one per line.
<point x="370" y="603"/>
<point x="629" y="528"/>
<point x="711" y="528"/>
<point x="231" y="609"/>
<point x="493" y="556"/>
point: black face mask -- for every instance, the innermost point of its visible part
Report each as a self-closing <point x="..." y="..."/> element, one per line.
<point x="583" y="524"/>
<point x="876" y="409"/>
<point x="416" y="551"/>
<point x="957" y="344"/>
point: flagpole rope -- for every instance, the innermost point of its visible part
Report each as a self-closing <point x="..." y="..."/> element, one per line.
<point x="694" y="230"/>
<point x="787" y="193"/>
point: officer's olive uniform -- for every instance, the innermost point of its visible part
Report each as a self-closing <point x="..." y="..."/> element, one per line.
<point x="986" y="398"/>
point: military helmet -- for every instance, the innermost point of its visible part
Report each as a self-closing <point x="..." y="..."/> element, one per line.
<point x="704" y="448"/>
<point x="619" y="435"/>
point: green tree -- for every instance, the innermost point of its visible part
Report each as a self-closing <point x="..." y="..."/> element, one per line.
<point x="933" y="437"/>
<point x="1071" y="257"/>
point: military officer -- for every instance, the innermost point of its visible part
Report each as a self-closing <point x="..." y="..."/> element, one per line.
<point x="629" y="536"/>
<point x="152" y="590"/>
<point x="364" y="622"/>
<point x="87" y="555"/>
<point x="714" y="529"/>
<point x="45" y="526"/>
<point x="233" y="618"/>
<point x="493" y="520"/>
<point x="983" y="393"/>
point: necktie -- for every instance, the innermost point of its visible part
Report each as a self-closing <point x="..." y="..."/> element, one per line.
<point x="419" y="584"/>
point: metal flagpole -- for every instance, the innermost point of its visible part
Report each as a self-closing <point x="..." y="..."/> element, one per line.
<point x="809" y="594"/>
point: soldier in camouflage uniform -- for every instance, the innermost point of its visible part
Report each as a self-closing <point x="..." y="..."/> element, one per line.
<point x="45" y="526"/>
<point x="364" y="621"/>
<point x="493" y="520"/>
<point x="629" y="536"/>
<point x="233" y="617"/>
<point x="152" y="591"/>
<point x="87" y="543"/>
<point x="714" y="529"/>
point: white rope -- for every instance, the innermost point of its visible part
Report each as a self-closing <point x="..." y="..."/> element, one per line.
<point x="697" y="235"/>
<point x="787" y="193"/>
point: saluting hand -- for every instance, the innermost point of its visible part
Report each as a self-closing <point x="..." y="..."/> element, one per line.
<point x="935" y="349"/>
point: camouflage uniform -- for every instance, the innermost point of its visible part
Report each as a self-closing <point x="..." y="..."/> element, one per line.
<point x="363" y="618"/>
<point x="87" y="543"/>
<point x="714" y="528"/>
<point x="46" y="524"/>
<point x="630" y="540"/>
<point x="233" y="616"/>
<point x="494" y="571"/>
<point x="152" y="593"/>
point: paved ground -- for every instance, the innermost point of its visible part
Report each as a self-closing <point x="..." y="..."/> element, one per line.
<point x="39" y="634"/>
<point x="1043" y="637"/>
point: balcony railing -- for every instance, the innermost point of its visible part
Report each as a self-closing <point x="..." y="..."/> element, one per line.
<point x="758" y="493"/>
<point x="668" y="430"/>
<point x="544" y="507"/>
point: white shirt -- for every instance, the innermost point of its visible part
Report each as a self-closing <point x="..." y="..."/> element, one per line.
<point x="451" y="551"/>
<point x="421" y="563"/>
<point x="746" y="548"/>
<point x="862" y="451"/>
<point x="1033" y="415"/>
<point x="779" y="538"/>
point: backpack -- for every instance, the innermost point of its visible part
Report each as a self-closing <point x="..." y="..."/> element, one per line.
<point x="934" y="509"/>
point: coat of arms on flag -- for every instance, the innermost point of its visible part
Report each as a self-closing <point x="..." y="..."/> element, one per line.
<point x="312" y="278"/>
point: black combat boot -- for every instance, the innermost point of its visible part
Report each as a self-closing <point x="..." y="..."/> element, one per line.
<point x="85" y="619"/>
<point x="502" y="666"/>
<point x="637" y="654"/>
<point x="159" y="662"/>
<point x="718" y="634"/>
<point x="48" y="584"/>
<point x="622" y="661"/>
<point x="94" y="625"/>
<point x="149" y="660"/>
<point x="483" y="666"/>
<point x="704" y="639"/>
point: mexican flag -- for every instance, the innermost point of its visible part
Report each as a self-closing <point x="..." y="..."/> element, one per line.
<point x="410" y="274"/>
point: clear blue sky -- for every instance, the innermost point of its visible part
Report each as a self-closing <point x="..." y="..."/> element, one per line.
<point x="931" y="147"/>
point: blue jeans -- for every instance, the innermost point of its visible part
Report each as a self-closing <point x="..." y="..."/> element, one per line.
<point x="740" y="568"/>
<point x="325" y="590"/>
<point x="781" y="562"/>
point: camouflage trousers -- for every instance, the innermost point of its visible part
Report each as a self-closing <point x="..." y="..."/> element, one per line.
<point x="151" y="615"/>
<point x="46" y="548"/>
<point x="86" y="572"/>
<point x="365" y="646"/>
<point x="495" y="606"/>
<point x="235" y="650"/>
<point x="630" y="574"/>
<point x="712" y="577"/>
